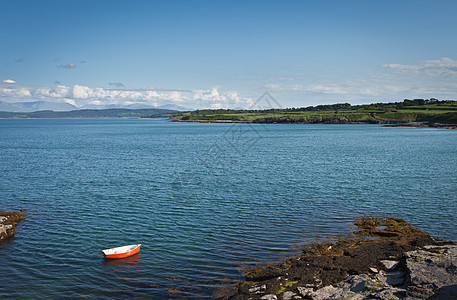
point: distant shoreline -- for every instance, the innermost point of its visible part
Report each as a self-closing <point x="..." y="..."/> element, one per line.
<point x="412" y="113"/>
<point x="335" y="122"/>
<point x="385" y="124"/>
<point x="116" y="113"/>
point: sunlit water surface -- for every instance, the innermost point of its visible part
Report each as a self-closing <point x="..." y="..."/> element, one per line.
<point x="203" y="199"/>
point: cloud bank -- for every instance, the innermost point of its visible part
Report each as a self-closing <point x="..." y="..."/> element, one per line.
<point x="389" y="82"/>
<point x="86" y="97"/>
<point x="392" y="82"/>
<point x="440" y="67"/>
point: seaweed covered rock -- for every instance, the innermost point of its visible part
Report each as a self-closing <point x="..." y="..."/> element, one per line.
<point x="332" y="269"/>
<point x="8" y="223"/>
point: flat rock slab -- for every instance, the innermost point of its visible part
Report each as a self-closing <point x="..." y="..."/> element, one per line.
<point x="433" y="269"/>
<point x="358" y="287"/>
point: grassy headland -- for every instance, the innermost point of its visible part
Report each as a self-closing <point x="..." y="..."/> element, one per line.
<point x="417" y="110"/>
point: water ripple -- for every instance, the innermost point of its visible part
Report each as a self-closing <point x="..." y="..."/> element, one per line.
<point x="96" y="184"/>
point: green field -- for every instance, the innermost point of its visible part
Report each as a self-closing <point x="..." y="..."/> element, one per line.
<point x="417" y="110"/>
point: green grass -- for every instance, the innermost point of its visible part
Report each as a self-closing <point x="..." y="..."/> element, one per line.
<point x="432" y="111"/>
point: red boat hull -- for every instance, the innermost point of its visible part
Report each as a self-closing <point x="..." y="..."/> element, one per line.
<point x="124" y="254"/>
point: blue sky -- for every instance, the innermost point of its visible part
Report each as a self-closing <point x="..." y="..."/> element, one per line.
<point x="227" y="53"/>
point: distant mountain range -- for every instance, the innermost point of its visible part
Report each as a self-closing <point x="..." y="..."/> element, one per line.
<point x="35" y="106"/>
<point x="57" y="107"/>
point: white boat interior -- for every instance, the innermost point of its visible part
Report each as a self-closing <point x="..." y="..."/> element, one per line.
<point x="122" y="249"/>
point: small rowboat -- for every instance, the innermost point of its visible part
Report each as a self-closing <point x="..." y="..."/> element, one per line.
<point x="121" y="252"/>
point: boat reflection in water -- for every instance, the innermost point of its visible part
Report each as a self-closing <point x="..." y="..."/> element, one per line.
<point x="131" y="262"/>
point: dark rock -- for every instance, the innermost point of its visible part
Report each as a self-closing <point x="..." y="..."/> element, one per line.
<point x="395" y="278"/>
<point x="265" y="274"/>
<point x="417" y="292"/>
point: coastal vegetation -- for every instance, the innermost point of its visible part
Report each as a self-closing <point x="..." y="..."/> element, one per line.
<point x="417" y="110"/>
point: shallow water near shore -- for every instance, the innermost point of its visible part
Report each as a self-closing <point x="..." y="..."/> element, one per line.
<point x="202" y="199"/>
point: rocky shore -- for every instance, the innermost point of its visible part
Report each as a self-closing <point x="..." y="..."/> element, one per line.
<point x="332" y="121"/>
<point x="425" y="125"/>
<point x="8" y="223"/>
<point x="384" y="259"/>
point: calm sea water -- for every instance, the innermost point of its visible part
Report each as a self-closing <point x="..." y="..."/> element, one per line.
<point x="203" y="199"/>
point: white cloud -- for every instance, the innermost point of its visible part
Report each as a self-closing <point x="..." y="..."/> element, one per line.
<point x="58" y="92"/>
<point x="394" y="82"/>
<point x="84" y="96"/>
<point x="430" y="78"/>
<point x="10" y="89"/>
<point x="214" y="99"/>
<point x="15" y="93"/>
<point x="70" y="65"/>
<point x="440" y="67"/>
<point x="347" y="87"/>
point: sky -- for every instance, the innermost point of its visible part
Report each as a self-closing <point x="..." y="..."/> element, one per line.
<point x="226" y="54"/>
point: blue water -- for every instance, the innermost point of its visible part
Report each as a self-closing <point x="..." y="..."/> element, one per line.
<point x="203" y="199"/>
